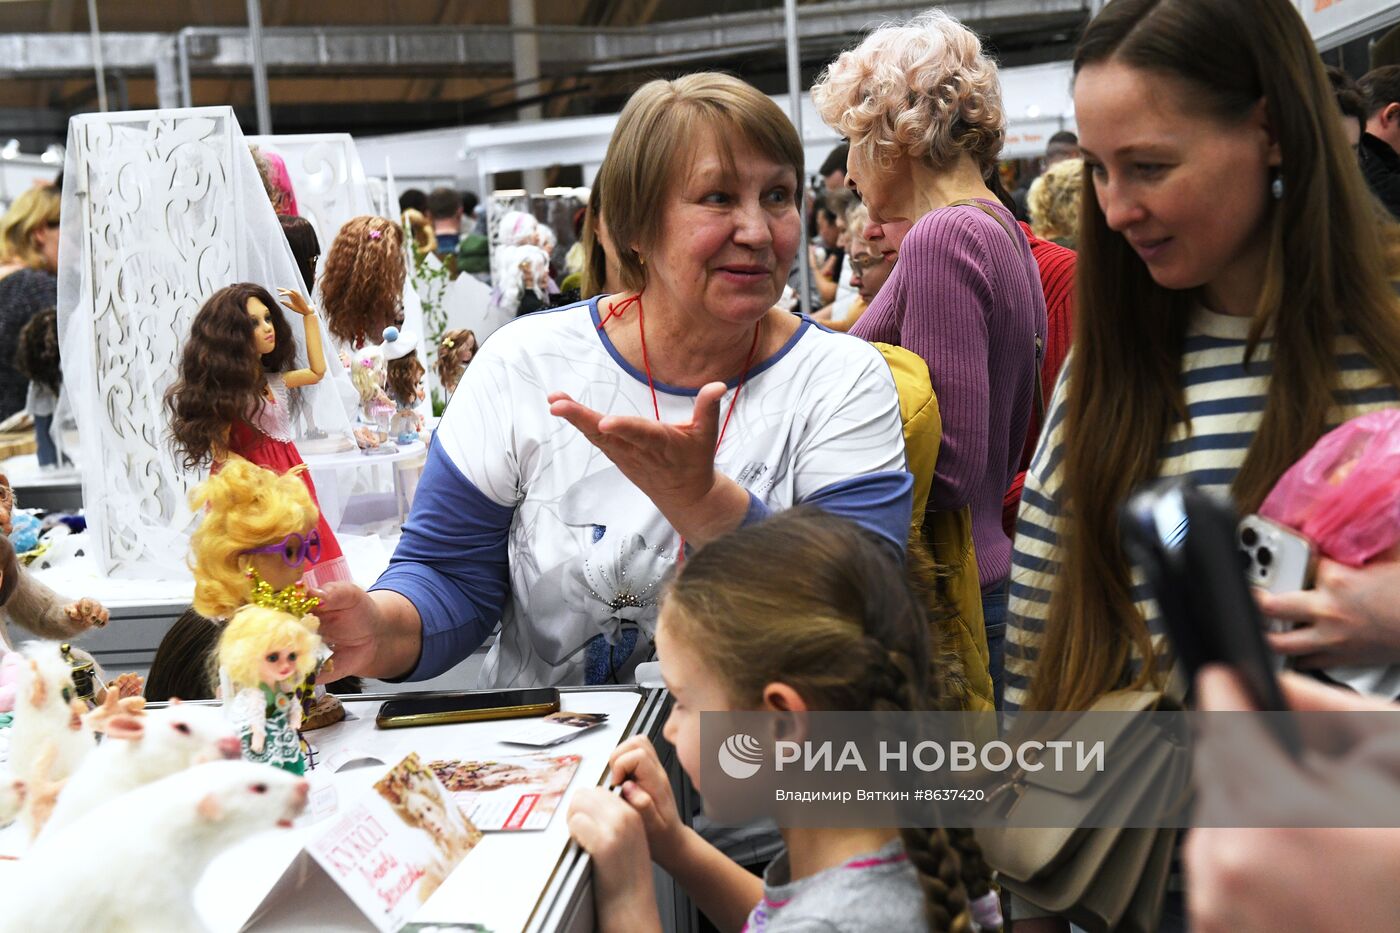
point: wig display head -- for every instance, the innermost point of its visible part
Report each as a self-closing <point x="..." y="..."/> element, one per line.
<point x="367" y="373"/>
<point x="404" y="370"/>
<point x="276" y="180"/>
<point x="420" y="230"/>
<point x="454" y="355"/>
<point x="222" y="374"/>
<point x="517" y="228"/>
<point x="245" y="506"/>
<point x="362" y="286"/>
<point x="306" y="248"/>
<point x="256" y="633"/>
<point x="523" y="269"/>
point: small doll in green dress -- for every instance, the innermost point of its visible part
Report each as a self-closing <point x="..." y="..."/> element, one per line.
<point x="265" y="652"/>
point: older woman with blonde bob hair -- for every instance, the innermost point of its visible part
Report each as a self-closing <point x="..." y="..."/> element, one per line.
<point x="586" y="448"/>
<point x="921" y="106"/>
<point x="28" y="266"/>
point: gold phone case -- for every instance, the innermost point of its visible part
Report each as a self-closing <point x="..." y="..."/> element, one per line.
<point x="464" y="715"/>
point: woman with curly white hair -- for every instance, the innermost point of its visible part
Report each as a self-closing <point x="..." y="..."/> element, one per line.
<point x="921" y="105"/>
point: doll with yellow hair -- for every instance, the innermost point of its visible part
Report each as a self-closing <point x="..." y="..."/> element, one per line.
<point x="265" y="652"/>
<point x="255" y="521"/>
<point x="259" y="529"/>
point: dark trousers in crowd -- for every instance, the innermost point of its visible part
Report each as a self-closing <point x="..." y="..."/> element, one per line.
<point x="994" y="606"/>
<point x="43" y="439"/>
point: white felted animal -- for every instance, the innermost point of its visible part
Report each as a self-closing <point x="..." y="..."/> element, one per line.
<point x="163" y="835"/>
<point x="47" y="710"/>
<point x="141" y="749"/>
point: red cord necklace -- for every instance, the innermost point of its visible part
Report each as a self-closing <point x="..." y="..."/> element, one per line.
<point x="621" y="308"/>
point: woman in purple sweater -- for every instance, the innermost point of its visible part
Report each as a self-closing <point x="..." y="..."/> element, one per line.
<point x="921" y="106"/>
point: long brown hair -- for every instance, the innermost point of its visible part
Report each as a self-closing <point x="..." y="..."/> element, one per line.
<point x="1326" y="276"/>
<point x="846" y="631"/>
<point x="362" y="279"/>
<point x="222" y="375"/>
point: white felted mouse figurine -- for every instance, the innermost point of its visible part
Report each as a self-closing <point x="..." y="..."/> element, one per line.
<point x="48" y="739"/>
<point x="167" y="833"/>
<point x="140" y="749"/>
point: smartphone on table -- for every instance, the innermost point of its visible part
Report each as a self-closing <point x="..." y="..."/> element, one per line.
<point x="472" y="706"/>
<point x="1185" y="543"/>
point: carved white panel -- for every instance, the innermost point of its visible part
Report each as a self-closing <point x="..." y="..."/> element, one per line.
<point x="159" y="226"/>
<point x="160" y="210"/>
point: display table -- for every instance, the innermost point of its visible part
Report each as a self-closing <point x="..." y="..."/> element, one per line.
<point x="16" y="443"/>
<point x="511" y="881"/>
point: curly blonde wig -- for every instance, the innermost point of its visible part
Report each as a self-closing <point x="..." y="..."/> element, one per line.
<point x="923" y="89"/>
<point x="1054" y="200"/>
<point x="246" y="506"/>
<point x="362" y="279"/>
<point x="255" y="631"/>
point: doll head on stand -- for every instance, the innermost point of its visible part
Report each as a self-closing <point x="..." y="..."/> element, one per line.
<point x="454" y="353"/>
<point x="236" y="339"/>
<point x="404" y="383"/>
<point x="362" y="284"/>
<point x="524" y="279"/>
<point x="254" y="520"/>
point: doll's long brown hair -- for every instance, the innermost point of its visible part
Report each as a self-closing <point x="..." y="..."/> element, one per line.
<point x="362" y="279"/>
<point x="1326" y="275"/>
<point x="222" y="375"/>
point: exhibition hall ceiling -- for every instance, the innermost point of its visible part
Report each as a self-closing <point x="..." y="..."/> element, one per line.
<point x="397" y="65"/>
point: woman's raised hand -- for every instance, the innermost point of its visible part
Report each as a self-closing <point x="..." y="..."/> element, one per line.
<point x="296" y="302"/>
<point x="673" y="464"/>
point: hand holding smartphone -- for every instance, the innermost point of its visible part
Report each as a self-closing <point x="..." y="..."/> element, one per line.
<point x="1185" y="543"/>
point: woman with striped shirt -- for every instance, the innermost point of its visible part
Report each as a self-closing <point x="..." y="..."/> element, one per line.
<point x="1234" y="303"/>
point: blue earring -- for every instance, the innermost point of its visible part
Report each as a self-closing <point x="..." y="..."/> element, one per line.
<point x="1276" y="187"/>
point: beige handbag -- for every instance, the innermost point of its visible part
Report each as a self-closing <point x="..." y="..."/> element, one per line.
<point x="1102" y="879"/>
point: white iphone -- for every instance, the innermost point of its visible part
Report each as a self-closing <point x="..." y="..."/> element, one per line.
<point x="1280" y="560"/>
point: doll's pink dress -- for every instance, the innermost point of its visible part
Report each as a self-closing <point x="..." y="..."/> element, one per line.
<point x="267" y="441"/>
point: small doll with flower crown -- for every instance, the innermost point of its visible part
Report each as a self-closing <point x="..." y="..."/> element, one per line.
<point x="267" y="649"/>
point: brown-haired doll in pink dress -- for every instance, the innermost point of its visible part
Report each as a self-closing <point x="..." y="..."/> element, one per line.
<point x="231" y="396"/>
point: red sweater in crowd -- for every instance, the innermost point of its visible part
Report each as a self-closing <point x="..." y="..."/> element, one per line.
<point x="1057" y="280"/>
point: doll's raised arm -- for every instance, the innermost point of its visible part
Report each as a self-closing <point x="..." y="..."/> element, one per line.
<point x="315" y="356"/>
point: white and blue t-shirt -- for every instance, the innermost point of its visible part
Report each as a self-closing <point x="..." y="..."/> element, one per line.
<point x="518" y="518"/>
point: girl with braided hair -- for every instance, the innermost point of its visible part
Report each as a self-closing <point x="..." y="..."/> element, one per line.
<point x="846" y="633"/>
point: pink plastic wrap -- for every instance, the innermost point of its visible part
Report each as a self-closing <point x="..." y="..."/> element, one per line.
<point x="1344" y="495"/>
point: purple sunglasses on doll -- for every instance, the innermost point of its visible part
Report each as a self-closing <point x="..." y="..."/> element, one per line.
<point x="295" y="549"/>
